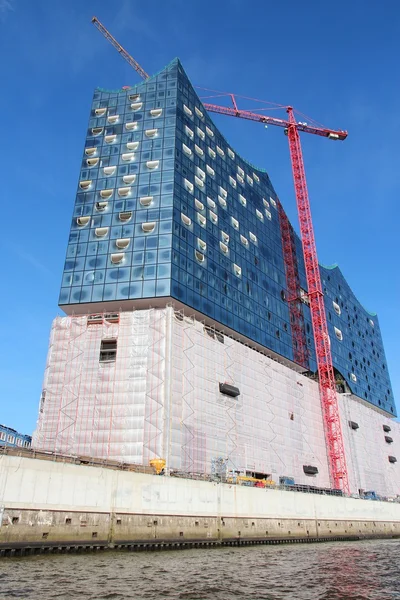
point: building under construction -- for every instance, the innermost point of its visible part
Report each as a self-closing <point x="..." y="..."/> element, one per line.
<point x="191" y="329"/>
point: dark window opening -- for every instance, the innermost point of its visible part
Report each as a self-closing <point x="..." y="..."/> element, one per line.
<point x="108" y="351"/>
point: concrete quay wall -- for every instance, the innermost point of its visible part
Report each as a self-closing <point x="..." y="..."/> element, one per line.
<point x="46" y="504"/>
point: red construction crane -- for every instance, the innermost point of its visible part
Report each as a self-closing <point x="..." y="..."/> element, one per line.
<point x="327" y="384"/>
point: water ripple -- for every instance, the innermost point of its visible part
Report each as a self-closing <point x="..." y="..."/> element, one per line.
<point x="365" y="570"/>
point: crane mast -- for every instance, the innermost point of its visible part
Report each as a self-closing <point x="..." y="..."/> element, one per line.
<point x="327" y="384"/>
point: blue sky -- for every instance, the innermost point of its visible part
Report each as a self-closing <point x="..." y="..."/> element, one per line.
<point x="336" y="61"/>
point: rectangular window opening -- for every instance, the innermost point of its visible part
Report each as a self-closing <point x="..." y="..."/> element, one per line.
<point x="108" y="350"/>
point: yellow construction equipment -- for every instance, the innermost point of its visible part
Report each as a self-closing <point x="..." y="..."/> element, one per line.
<point x="158" y="464"/>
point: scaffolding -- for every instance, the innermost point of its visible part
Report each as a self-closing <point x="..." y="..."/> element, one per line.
<point x="145" y="385"/>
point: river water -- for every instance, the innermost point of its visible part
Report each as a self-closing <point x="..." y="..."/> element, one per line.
<point x="334" y="571"/>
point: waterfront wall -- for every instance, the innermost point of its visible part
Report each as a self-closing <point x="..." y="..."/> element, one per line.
<point x="45" y="503"/>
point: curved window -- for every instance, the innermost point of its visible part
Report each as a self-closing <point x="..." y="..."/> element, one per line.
<point x="198" y="112"/>
<point x="268" y="214"/>
<point x="100" y="112"/>
<point x="266" y="203"/>
<point x="202" y="244"/>
<point x="240" y="171"/>
<point x="213" y="217"/>
<point x="129" y="178"/>
<point x="134" y="97"/>
<point x="148" y="227"/>
<point x="202" y="220"/>
<point x="187" y="150"/>
<point x="210" y="170"/>
<point x="106" y="194"/>
<point x="336" y="308"/>
<point x="151" y="133"/>
<point x="200" y="133"/>
<point x="122" y="243"/>
<point x="211" y="153"/>
<point x="146" y="200"/>
<point x="101" y="206"/>
<point x="109" y="139"/>
<point x="198" y="150"/>
<point x="249" y="180"/>
<point x="209" y="132"/>
<point x="242" y="199"/>
<point x="232" y="181"/>
<point x="199" y="205"/>
<point x="199" y="256"/>
<point x="117" y="258"/>
<point x="136" y="106"/>
<point x="97" y="130"/>
<point x="353" y="377"/>
<point x="244" y="241"/>
<point x="338" y="334"/>
<point x="200" y="173"/>
<point x="223" y="192"/>
<point x="156" y="112"/>
<point x="187" y="110"/>
<point x="189" y="132"/>
<point x="188" y="186"/>
<point x="225" y="237"/>
<point x="131" y="125"/>
<point x="112" y="119"/>
<point x="132" y="145"/>
<point x="231" y="154"/>
<point x="256" y="177"/>
<point x="223" y="247"/>
<point x="220" y="151"/>
<point x="127" y="156"/>
<point x="124" y="191"/>
<point x="82" y="221"/>
<point x="109" y="170"/>
<point x="259" y="215"/>
<point x="237" y="270"/>
<point x="186" y="220"/>
<point x="240" y="179"/>
<point x="272" y="202"/>
<point x="90" y="151"/>
<point x="199" y="182"/>
<point x="253" y="238"/>
<point x="222" y="201"/>
<point x="152" y="164"/>
<point x="101" y="231"/>
<point x="211" y="202"/>
<point x="92" y="162"/>
<point x="235" y="223"/>
<point x="125" y="216"/>
<point x="85" y="185"/>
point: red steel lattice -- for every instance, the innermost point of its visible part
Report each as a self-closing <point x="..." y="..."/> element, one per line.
<point x="300" y="350"/>
<point x="327" y="385"/>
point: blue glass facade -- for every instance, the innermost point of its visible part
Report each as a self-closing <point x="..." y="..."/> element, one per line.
<point x="11" y="437"/>
<point x="166" y="208"/>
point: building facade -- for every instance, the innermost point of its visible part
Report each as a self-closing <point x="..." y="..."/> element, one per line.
<point x="167" y="215"/>
<point x="11" y="437"/>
